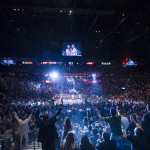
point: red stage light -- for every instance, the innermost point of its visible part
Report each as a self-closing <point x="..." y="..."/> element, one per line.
<point x="127" y="59"/>
<point x="124" y="63"/>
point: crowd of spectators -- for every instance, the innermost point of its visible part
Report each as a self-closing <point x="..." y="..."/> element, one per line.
<point x="114" y="115"/>
<point x="116" y="87"/>
<point x="79" y="126"/>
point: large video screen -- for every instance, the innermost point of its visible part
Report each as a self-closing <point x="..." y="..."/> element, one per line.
<point x="129" y="62"/>
<point x="71" y="49"/>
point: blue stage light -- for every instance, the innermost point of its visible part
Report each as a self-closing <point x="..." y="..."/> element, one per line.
<point x="54" y="75"/>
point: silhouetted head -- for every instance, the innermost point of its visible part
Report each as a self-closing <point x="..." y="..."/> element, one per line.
<point x="84" y="139"/>
<point x="68" y="46"/>
<point x="68" y="123"/>
<point x="106" y="136"/>
<point x="70" y="137"/>
<point x="45" y="117"/>
<point x="95" y="132"/>
<point x="148" y="107"/>
<point x="113" y="111"/>
<point x="85" y="120"/>
<point x="23" y="117"/>
<point x="72" y="46"/>
<point x="138" y="131"/>
<point x="134" y="116"/>
<point x="90" y="128"/>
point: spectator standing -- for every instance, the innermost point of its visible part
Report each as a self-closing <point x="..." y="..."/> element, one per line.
<point x="23" y="127"/>
<point x="47" y="130"/>
<point x="85" y="144"/>
<point x="7" y="140"/>
<point x="69" y="143"/>
<point x="67" y="127"/>
<point x="94" y="138"/>
<point x="107" y="144"/>
<point x="139" y="140"/>
<point x="146" y="122"/>
<point x="115" y="126"/>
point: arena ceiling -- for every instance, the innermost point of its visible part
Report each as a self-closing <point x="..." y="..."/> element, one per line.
<point x="107" y="28"/>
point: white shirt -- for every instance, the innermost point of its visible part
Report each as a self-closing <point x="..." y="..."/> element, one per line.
<point x="23" y="125"/>
<point x="125" y="121"/>
<point x="74" y="52"/>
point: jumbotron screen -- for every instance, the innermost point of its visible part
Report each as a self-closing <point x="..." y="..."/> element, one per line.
<point x="129" y="62"/>
<point x="71" y="49"/>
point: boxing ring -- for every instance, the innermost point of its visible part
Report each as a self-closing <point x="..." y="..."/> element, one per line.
<point x="70" y="99"/>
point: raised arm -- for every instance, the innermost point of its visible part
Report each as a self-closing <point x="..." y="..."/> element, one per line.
<point x="57" y="114"/>
<point x="136" y="123"/>
<point x="37" y="113"/>
<point x="16" y="117"/>
<point x="118" y="112"/>
<point x="29" y="118"/>
<point x="99" y="114"/>
<point x="124" y="130"/>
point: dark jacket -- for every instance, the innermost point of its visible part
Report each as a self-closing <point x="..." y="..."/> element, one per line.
<point x="146" y="125"/>
<point x="47" y="130"/>
<point x="109" y="145"/>
<point x="87" y="147"/>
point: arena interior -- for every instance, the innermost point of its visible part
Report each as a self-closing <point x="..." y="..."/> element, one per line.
<point x="74" y="75"/>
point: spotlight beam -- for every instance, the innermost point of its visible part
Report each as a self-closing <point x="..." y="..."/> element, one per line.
<point x="54" y="75"/>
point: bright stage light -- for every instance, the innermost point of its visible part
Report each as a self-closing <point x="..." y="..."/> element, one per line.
<point x="94" y="80"/>
<point x="54" y="75"/>
<point x="93" y="75"/>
